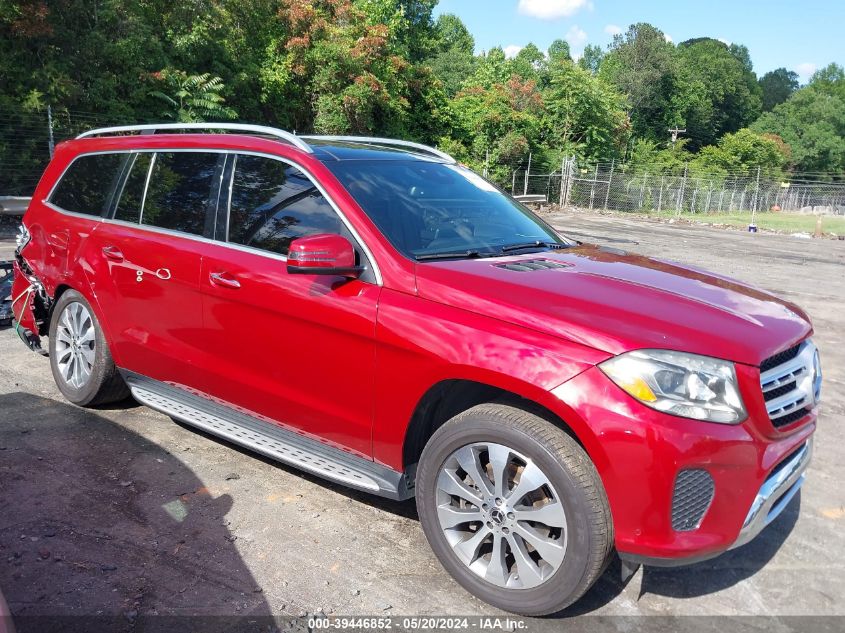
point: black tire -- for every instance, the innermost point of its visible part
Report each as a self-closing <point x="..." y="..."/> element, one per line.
<point x="571" y="473"/>
<point x="105" y="383"/>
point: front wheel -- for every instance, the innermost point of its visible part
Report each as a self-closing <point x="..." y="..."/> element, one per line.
<point x="514" y="509"/>
<point x="79" y="355"/>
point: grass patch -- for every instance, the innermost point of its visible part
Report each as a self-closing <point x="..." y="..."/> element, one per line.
<point x="785" y="222"/>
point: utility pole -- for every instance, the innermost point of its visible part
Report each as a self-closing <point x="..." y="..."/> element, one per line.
<point x="675" y="131"/>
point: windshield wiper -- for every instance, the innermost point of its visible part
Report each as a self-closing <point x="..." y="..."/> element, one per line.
<point x="460" y="254"/>
<point x="536" y="244"/>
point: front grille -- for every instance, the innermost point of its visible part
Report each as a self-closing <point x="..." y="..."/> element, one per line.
<point x="779" y="358"/>
<point x="788" y="382"/>
<point x="692" y="496"/>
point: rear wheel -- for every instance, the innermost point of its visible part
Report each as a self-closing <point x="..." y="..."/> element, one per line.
<point x="514" y="509"/>
<point x="79" y="356"/>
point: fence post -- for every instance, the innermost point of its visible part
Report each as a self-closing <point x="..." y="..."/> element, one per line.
<point x="681" y="190"/>
<point x="527" y="173"/>
<point x="563" y="179"/>
<point x="609" y="183"/>
<point x="513" y="183"/>
<point x="486" y="162"/>
<point x="756" y="196"/>
<point x="593" y="187"/>
<point x="50" y="142"/>
<point x="660" y="193"/>
<point x="569" y="172"/>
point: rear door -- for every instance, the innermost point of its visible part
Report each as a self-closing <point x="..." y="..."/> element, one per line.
<point x="150" y="256"/>
<point x="81" y="196"/>
<point x="298" y="350"/>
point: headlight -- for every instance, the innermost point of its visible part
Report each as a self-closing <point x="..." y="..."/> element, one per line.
<point x="686" y="385"/>
<point x="23" y="237"/>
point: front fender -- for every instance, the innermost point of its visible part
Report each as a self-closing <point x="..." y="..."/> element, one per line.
<point x="422" y="343"/>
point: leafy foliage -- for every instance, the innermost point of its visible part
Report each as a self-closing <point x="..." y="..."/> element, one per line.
<point x="388" y="67"/>
<point x="192" y="98"/>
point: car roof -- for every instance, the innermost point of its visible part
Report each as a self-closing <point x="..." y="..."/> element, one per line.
<point x="328" y="150"/>
<point x="325" y="148"/>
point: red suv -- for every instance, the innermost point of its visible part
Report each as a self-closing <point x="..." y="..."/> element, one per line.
<point x="370" y="311"/>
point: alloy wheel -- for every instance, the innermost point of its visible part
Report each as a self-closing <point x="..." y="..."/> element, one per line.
<point x="75" y="343"/>
<point x="501" y="515"/>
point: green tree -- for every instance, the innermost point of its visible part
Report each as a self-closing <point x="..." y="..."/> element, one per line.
<point x="641" y="65"/>
<point x="454" y="59"/>
<point x="718" y="91"/>
<point x="743" y="152"/>
<point x="812" y="123"/>
<point x="777" y="86"/>
<point x="586" y="115"/>
<point x="192" y="98"/>
<point x="559" y="51"/>
<point x="592" y="58"/>
<point x="530" y="63"/>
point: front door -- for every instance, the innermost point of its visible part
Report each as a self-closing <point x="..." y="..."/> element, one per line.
<point x="296" y="350"/>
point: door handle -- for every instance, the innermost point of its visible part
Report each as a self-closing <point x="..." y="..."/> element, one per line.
<point x="224" y="280"/>
<point x="113" y="253"/>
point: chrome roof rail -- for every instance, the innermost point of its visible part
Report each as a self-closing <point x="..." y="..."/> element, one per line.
<point x="372" y="140"/>
<point x="293" y="139"/>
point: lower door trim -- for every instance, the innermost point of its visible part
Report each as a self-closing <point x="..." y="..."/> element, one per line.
<point x="269" y="439"/>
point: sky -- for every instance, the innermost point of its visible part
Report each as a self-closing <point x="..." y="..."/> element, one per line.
<point x="798" y="35"/>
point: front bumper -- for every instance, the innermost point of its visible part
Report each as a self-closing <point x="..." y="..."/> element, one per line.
<point x="755" y="469"/>
<point x="776" y="493"/>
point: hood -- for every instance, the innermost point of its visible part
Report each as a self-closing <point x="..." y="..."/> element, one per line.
<point x="615" y="302"/>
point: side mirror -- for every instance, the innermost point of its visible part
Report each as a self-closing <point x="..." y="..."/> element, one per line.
<point x="323" y="254"/>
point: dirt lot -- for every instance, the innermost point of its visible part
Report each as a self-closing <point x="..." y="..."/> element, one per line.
<point x="123" y="512"/>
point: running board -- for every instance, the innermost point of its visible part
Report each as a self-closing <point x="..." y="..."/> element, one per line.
<point x="269" y="439"/>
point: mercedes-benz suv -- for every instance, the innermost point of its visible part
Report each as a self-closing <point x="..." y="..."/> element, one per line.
<point x="371" y="311"/>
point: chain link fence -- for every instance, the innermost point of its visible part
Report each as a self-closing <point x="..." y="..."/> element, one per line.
<point x="27" y="141"/>
<point x="622" y="188"/>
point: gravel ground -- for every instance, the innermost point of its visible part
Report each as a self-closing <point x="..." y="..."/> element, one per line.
<point x="121" y="511"/>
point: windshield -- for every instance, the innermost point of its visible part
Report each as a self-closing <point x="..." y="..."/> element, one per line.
<point x="429" y="210"/>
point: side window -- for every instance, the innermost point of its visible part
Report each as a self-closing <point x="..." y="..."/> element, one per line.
<point x="274" y="203"/>
<point x="132" y="197"/>
<point x="87" y="184"/>
<point x="179" y="194"/>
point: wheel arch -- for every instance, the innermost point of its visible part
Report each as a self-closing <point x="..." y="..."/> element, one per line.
<point x="449" y="397"/>
<point x="91" y="298"/>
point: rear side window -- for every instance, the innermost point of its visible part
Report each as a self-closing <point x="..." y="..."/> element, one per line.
<point x="132" y="197"/>
<point x="274" y="203"/>
<point x="87" y="184"/>
<point x="179" y="194"/>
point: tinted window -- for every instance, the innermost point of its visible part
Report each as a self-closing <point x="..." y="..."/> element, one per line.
<point x="132" y="196"/>
<point x="179" y="193"/>
<point x="274" y="203"/>
<point x="87" y="184"/>
<point x="429" y="208"/>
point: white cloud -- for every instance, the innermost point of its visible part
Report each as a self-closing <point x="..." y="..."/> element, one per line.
<point x="577" y="38"/>
<point x="612" y="29"/>
<point x="668" y="38"/>
<point x="511" y="50"/>
<point x="724" y="41"/>
<point x="806" y="70"/>
<point x="552" y="9"/>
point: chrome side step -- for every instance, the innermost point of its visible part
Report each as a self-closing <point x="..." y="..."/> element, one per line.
<point x="269" y="439"/>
